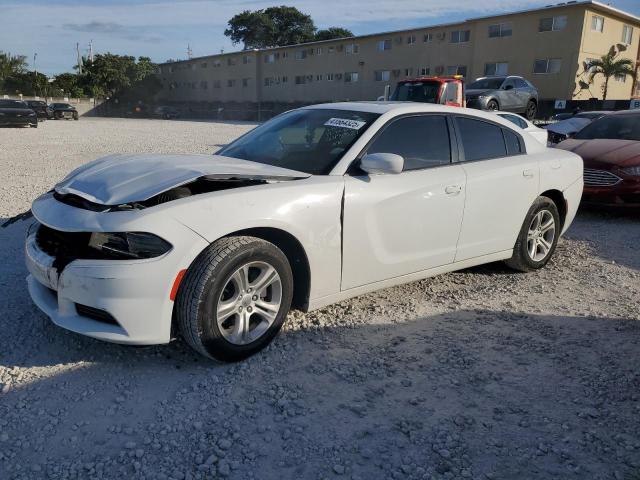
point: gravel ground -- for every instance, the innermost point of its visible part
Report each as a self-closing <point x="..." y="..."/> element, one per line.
<point x="481" y="374"/>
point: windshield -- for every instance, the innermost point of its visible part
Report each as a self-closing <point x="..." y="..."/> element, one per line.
<point x="425" y="92"/>
<point x="310" y="141"/>
<point x="12" y="104"/>
<point x="61" y="105"/>
<point x="615" y="127"/>
<point x="486" y="84"/>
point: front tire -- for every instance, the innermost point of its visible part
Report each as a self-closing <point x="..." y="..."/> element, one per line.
<point x="234" y="298"/>
<point x="538" y="237"/>
<point x="492" y="106"/>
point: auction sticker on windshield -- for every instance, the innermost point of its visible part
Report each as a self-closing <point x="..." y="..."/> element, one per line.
<point x="345" y="123"/>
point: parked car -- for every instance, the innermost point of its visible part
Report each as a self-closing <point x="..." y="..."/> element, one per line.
<point x="507" y="93"/>
<point x="43" y="111"/>
<point x="166" y="112"/>
<point x="610" y="148"/>
<point x="16" y="113"/>
<point x="64" y="110"/>
<point x="538" y="133"/>
<point x="566" y="128"/>
<point x="314" y="206"/>
<point x="592" y="115"/>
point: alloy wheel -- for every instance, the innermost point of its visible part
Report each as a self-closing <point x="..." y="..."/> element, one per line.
<point x="540" y="236"/>
<point x="249" y="303"/>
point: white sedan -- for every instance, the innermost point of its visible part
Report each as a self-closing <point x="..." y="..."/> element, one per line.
<point x="538" y="133"/>
<point x="314" y="206"/>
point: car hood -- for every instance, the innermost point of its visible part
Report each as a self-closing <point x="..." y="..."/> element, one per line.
<point x="120" y="179"/>
<point x="622" y="153"/>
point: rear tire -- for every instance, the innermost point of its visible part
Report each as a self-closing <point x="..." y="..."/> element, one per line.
<point x="532" y="109"/>
<point x="538" y="237"/>
<point x="234" y="298"/>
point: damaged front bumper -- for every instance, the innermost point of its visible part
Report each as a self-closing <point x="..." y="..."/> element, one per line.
<point x="122" y="301"/>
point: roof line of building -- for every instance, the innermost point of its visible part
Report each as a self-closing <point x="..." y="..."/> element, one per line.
<point x="570" y="3"/>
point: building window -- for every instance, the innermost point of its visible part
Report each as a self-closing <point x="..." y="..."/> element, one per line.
<point x="597" y="23"/>
<point x="382" y="75"/>
<point x="352" y="48"/>
<point x="245" y="82"/>
<point x="319" y="77"/>
<point x="411" y="39"/>
<point x="460" y="36"/>
<point x="204" y="84"/>
<point x="351" y="77"/>
<point x="231" y="82"/>
<point x="271" y="58"/>
<point x="285" y="54"/>
<point x="408" y="72"/>
<point x="498" y="68"/>
<point x="500" y="30"/>
<point x="216" y="84"/>
<point x="217" y="63"/>
<point x="427" y="38"/>
<point x="329" y="77"/>
<point x="301" y="79"/>
<point x="457" y="70"/>
<point x="627" y="34"/>
<point x="331" y="49"/>
<point x="620" y="78"/>
<point x="319" y="51"/>
<point x="547" y="65"/>
<point x="384" y="45"/>
<point x="285" y="79"/>
<point x="301" y="54"/>
<point x="554" y="24"/>
<point x="231" y="61"/>
<point x="268" y="81"/>
<point x="246" y="59"/>
<point x="425" y="71"/>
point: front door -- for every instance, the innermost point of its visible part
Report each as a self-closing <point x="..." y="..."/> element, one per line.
<point x="397" y="224"/>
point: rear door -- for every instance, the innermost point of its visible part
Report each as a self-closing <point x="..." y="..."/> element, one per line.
<point x="397" y="224"/>
<point x="502" y="184"/>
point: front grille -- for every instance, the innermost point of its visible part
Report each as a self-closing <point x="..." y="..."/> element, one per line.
<point x="64" y="247"/>
<point x="600" y="178"/>
<point x="96" y="314"/>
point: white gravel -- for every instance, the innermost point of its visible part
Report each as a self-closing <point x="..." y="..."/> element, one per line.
<point x="481" y="374"/>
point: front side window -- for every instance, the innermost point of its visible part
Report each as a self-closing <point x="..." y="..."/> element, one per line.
<point x="481" y="140"/>
<point x="423" y="141"/>
<point x="306" y="140"/>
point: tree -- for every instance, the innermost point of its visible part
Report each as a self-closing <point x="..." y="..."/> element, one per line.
<point x="333" y="32"/>
<point x="608" y="66"/>
<point x="10" y="66"/>
<point x="110" y="74"/>
<point x="270" y="27"/>
<point x="66" y="84"/>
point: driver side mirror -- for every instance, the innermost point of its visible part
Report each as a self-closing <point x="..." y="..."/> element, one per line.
<point x="382" y="163"/>
<point x="508" y="87"/>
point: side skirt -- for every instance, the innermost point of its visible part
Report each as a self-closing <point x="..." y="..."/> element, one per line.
<point x="316" y="303"/>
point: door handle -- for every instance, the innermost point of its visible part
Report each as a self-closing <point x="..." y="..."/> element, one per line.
<point x="528" y="173"/>
<point x="453" y="189"/>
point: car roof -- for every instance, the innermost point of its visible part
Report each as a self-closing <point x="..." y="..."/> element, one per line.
<point x="384" y="107"/>
<point x="626" y="112"/>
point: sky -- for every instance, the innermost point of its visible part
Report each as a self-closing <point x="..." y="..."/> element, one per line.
<point x="162" y="29"/>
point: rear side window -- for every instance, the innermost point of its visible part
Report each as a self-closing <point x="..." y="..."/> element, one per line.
<point x="423" y="141"/>
<point x="515" y="120"/>
<point x="514" y="145"/>
<point x="481" y="140"/>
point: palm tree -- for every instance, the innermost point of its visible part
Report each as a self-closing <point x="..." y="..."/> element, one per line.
<point x="610" y="66"/>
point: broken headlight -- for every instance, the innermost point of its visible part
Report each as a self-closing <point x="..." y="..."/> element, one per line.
<point x="129" y="245"/>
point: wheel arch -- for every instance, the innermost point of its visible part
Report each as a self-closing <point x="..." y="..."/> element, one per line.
<point x="557" y="197"/>
<point x="295" y="253"/>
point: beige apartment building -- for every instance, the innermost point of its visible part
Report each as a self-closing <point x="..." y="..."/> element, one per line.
<point x="547" y="46"/>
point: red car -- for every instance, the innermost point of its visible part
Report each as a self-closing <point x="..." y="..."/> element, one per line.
<point x="610" y="149"/>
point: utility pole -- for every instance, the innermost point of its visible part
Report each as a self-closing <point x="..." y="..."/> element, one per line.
<point x="189" y="52"/>
<point x="79" y="58"/>
<point x="35" y="72"/>
<point x="90" y="50"/>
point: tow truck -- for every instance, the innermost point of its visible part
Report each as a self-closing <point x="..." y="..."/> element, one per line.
<point x="428" y="89"/>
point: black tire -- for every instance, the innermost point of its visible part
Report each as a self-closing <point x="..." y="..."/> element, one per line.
<point x="35" y="125"/>
<point x="521" y="259"/>
<point x="76" y="117"/>
<point x="492" y="105"/>
<point x="531" y="110"/>
<point x="202" y="287"/>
